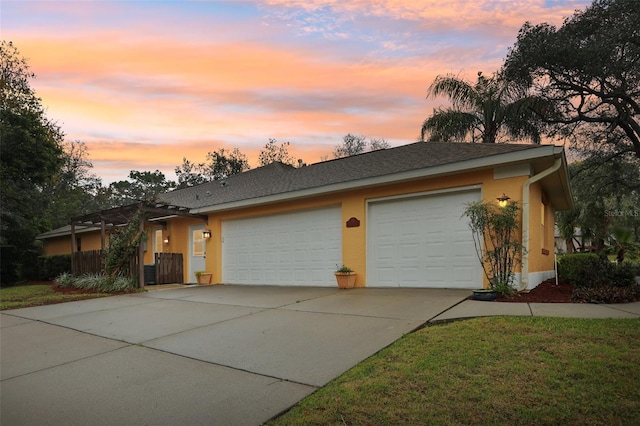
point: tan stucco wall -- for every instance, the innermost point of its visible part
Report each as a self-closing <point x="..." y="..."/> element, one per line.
<point x="354" y="204"/>
<point x="57" y="246"/>
<point x="539" y="261"/>
<point x="62" y="245"/>
<point x="178" y="232"/>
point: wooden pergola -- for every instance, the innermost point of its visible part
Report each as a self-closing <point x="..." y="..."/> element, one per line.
<point x="120" y="216"/>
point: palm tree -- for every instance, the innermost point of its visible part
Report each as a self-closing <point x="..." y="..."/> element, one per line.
<point x="482" y="111"/>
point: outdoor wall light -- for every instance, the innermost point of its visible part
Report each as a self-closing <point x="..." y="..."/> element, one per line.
<point x="166" y="240"/>
<point x="206" y="234"/>
<point x="502" y="201"/>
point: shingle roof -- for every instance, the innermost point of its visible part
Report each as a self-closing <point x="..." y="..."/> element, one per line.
<point x="64" y="231"/>
<point x="278" y="178"/>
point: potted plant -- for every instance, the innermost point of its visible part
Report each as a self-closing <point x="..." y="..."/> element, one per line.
<point x="485" y="294"/>
<point x="203" y="277"/>
<point x="345" y="277"/>
<point x="497" y="241"/>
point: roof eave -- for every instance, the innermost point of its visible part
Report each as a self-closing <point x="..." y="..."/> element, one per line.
<point x="429" y="172"/>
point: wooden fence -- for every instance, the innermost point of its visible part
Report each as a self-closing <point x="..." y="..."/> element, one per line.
<point x="168" y="266"/>
<point x="91" y="262"/>
<point x="86" y="262"/>
<point x="169" y="269"/>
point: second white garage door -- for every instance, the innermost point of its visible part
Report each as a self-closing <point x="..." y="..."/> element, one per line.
<point x="422" y="242"/>
<point x="301" y="248"/>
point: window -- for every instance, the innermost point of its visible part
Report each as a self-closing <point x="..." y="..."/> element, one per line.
<point x="198" y="243"/>
<point x="543" y="228"/>
<point x="78" y="244"/>
<point x="158" y="241"/>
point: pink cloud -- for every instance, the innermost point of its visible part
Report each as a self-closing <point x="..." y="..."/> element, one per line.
<point x="146" y="93"/>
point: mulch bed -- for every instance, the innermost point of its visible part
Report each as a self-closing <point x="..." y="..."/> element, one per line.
<point x="546" y="292"/>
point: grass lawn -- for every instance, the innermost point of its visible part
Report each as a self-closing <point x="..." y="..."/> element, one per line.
<point x="499" y="370"/>
<point x="25" y="296"/>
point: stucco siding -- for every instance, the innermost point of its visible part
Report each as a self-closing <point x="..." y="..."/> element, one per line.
<point x="354" y="204"/>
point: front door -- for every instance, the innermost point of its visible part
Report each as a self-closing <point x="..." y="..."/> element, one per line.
<point x="197" y="251"/>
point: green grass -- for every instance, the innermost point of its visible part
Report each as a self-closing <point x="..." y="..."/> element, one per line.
<point x="500" y="370"/>
<point x="35" y="295"/>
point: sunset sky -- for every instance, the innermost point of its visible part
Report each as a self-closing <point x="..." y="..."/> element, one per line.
<point x="146" y="83"/>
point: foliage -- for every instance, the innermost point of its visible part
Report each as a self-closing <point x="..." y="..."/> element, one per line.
<point x="606" y="196"/>
<point x="98" y="282"/>
<point x="623" y="274"/>
<point x="497" y="241"/>
<point x="25" y="296"/>
<point x="219" y="165"/>
<point x="31" y="154"/>
<point x="485" y="111"/>
<point x="606" y="294"/>
<point x="623" y="244"/>
<point x="123" y="245"/>
<point x="74" y="190"/>
<point x="222" y="164"/>
<point x="142" y="186"/>
<point x="65" y="280"/>
<point x="489" y="371"/>
<point x="344" y="269"/>
<point x="588" y="70"/>
<point x="274" y="152"/>
<point x="357" y="144"/>
<point x="50" y="267"/>
<point x="190" y="174"/>
<point x="16" y="93"/>
<point x="591" y="270"/>
<point x="584" y="269"/>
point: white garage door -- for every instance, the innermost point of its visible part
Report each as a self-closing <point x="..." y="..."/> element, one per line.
<point x="301" y="248"/>
<point x="422" y="242"/>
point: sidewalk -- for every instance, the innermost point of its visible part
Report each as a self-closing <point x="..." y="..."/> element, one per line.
<point x="474" y="308"/>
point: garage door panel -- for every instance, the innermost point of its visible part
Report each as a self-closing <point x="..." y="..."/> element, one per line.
<point x="422" y="242"/>
<point x="300" y="248"/>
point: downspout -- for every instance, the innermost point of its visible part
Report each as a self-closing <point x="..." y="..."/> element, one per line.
<point x="524" y="276"/>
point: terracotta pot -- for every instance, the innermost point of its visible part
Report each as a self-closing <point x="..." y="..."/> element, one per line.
<point x="204" y="278"/>
<point x="346" y="279"/>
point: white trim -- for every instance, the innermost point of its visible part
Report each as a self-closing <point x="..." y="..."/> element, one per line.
<point x="445" y="169"/>
<point x="535" y="278"/>
<point x="192" y="270"/>
<point x="514" y="170"/>
<point x="526" y="195"/>
<point x="425" y="194"/>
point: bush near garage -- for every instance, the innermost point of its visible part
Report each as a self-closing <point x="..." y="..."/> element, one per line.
<point x="584" y="269"/>
<point x="50" y="267"/>
<point x="597" y="280"/>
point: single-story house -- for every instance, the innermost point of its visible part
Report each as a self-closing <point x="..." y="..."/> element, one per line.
<point x="395" y="216"/>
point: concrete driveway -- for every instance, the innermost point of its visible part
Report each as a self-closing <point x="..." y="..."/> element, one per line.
<point x="232" y="355"/>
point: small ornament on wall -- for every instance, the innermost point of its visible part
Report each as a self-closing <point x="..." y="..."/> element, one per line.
<point x="353" y="223"/>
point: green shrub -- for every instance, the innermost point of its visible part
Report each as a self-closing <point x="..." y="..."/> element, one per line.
<point x="50" y="267"/>
<point x="98" y="282"/>
<point x="495" y="232"/>
<point x="623" y="274"/>
<point x="584" y="269"/>
<point x="65" y="280"/>
<point x="606" y="294"/>
<point x="9" y="274"/>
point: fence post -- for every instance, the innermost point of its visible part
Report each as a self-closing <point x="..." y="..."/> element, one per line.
<point x="141" y="258"/>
